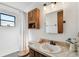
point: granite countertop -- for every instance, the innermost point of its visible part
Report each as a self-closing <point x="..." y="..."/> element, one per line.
<point x="64" y="52"/>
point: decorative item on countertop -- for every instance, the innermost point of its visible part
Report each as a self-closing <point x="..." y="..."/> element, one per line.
<point x="77" y="38"/>
<point x="69" y="40"/>
<point x="73" y="44"/>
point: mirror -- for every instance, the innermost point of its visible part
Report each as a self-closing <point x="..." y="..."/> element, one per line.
<point x="54" y="22"/>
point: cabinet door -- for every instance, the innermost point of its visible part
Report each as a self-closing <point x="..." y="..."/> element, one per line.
<point x="60" y="21"/>
<point x="37" y="17"/>
<point x="30" y="20"/>
<point x="37" y="54"/>
<point x="30" y="16"/>
<point x="31" y="53"/>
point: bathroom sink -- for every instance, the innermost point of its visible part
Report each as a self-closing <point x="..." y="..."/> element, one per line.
<point x="51" y="48"/>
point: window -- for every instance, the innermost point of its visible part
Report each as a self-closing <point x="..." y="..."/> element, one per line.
<point x="7" y="20"/>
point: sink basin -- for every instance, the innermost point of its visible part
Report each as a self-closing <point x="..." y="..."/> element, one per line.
<point x="51" y="48"/>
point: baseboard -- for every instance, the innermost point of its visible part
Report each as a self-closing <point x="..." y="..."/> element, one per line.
<point x="2" y="54"/>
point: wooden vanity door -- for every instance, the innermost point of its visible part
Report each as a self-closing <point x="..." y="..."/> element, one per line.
<point x="60" y="21"/>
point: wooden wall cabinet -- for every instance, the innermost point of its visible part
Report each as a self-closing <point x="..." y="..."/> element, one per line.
<point x="33" y="19"/>
<point x="60" y="21"/>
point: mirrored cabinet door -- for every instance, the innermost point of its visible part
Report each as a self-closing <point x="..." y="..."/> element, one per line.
<point x="54" y="22"/>
<point x="51" y="23"/>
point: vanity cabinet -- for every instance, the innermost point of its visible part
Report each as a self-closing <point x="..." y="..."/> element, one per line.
<point x="31" y="52"/>
<point x="33" y="19"/>
<point x="34" y="53"/>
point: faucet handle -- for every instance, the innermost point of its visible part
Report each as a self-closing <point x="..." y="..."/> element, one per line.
<point x="52" y="42"/>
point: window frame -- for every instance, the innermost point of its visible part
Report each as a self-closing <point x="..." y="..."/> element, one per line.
<point x="8" y="20"/>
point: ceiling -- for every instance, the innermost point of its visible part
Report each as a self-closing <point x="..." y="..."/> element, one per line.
<point x="23" y="6"/>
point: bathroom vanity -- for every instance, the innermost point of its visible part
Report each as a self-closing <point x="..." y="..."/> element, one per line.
<point x="44" y="49"/>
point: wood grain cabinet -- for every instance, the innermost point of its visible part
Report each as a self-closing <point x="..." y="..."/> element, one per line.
<point x="31" y="52"/>
<point x="33" y="19"/>
<point x="60" y="21"/>
<point x="34" y="53"/>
